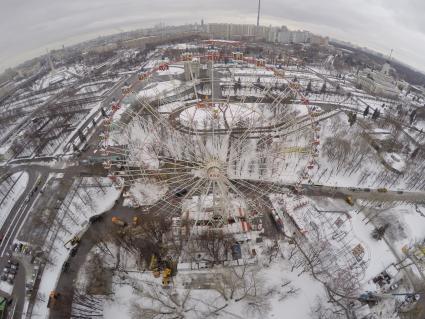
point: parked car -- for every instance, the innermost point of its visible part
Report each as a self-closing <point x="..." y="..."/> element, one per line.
<point x="12" y="262"/>
<point x="95" y="218"/>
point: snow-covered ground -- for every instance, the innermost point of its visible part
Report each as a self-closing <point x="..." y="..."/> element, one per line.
<point x="144" y="193"/>
<point x="279" y="289"/>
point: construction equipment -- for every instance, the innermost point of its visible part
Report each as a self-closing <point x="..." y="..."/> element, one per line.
<point x="118" y="221"/>
<point x="382" y="190"/>
<point x="136" y="220"/>
<point x="166" y="276"/>
<point x="349" y="200"/>
<point x="163" y="67"/>
<point x="53" y="297"/>
<point x="75" y="240"/>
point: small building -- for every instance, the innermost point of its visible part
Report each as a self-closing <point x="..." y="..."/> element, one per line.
<point x="379" y="83"/>
<point x="238" y="56"/>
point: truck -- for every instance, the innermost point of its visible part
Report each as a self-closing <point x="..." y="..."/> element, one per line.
<point x="153" y="265"/>
<point x="277" y="220"/>
<point x="349" y="200"/>
<point x="166" y="274"/>
<point x="136" y="220"/>
<point x="117" y="221"/>
<point x="382" y="190"/>
<point x="53" y="297"/>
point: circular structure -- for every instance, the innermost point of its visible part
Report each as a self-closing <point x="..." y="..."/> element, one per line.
<point x="227" y="132"/>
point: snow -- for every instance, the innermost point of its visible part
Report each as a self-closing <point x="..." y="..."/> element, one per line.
<point x="298" y="306"/>
<point x="6" y="287"/>
<point x="120" y="308"/>
<point x="288" y="292"/>
<point x="158" y="88"/>
<point x="56" y="76"/>
<point x="252" y="72"/>
<point x="184" y="46"/>
<point x="379" y="253"/>
<point x="145" y="193"/>
<point x="395" y="161"/>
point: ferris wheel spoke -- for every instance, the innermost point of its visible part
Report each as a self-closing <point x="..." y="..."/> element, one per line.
<point x="244" y="197"/>
<point x="196" y="187"/>
<point x="184" y="182"/>
<point x="191" y="185"/>
<point x="260" y="193"/>
<point x="201" y="210"/>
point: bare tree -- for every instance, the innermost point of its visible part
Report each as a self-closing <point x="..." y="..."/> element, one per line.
<point x="159" y="303"/>
<point x="216" y="244"/>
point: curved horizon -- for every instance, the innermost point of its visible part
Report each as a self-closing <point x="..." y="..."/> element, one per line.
<point x="28" y="29"/>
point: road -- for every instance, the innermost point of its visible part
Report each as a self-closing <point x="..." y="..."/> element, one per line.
<point x="342" y="192"/>
<point x="12" y="227"/>
<point x="24" y="205"/>
<point x="365" y="193"/>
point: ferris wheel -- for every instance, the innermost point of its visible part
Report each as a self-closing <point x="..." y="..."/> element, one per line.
<point x="227" y="134"/>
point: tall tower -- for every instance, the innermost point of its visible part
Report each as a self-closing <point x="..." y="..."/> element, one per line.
<point x="49" y="59"/>
<point x="258" y="15"/>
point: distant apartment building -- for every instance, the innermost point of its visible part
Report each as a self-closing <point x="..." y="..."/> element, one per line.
<point x="231" y="31"/>
<point x="237" y="31"/>
<point x="300" y="36"/>
<point x="270" y="34"/>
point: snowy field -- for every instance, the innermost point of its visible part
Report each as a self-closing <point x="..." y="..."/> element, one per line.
<point x="280" y="288"/>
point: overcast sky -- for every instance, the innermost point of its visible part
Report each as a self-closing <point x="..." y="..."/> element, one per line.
<point x="29" y="27"/>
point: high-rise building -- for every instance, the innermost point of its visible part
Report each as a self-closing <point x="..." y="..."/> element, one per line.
<point x="300" y="36"/>
<point x="258" y="14"/>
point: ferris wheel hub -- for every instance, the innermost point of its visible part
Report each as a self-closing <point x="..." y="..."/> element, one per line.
<point x="214" y="170"/>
